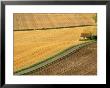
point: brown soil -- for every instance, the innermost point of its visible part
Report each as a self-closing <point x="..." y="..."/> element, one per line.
<point x="81" y="62"/>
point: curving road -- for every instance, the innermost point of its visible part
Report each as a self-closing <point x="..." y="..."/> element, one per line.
<point x="80" y="62"/>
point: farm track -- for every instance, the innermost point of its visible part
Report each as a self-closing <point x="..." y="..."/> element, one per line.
<point x="80" y="62"/>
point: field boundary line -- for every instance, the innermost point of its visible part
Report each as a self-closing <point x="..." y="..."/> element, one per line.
<point x="53" y="28"/>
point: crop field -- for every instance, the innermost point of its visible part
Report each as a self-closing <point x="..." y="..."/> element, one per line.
<point x="31" y="47"/>
<point x="42" y="21"/>
<point x="47" y="36"/>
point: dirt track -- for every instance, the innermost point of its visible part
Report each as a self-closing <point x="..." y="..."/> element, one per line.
<point x="82" y="62"/>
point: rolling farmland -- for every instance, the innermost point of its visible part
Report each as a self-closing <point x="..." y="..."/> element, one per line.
<point x="47" y="36"/>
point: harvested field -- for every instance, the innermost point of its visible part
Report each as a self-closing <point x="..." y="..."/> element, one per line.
<point x="38" y="37"/>
<point x="23" y="21"/>
<point x="82" y="62"/>
<point x="31" y="47"/>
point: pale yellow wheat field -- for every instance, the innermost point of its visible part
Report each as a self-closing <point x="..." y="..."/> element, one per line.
<point x="27" y="21"/>
<point x="32" y="47"/>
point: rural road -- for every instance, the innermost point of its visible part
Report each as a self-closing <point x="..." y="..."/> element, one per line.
<point x="80" y="62"/>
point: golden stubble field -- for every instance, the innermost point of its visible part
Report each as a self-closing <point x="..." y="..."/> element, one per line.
<point x="32" y="47"/>
<point x="25" y="21"/>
